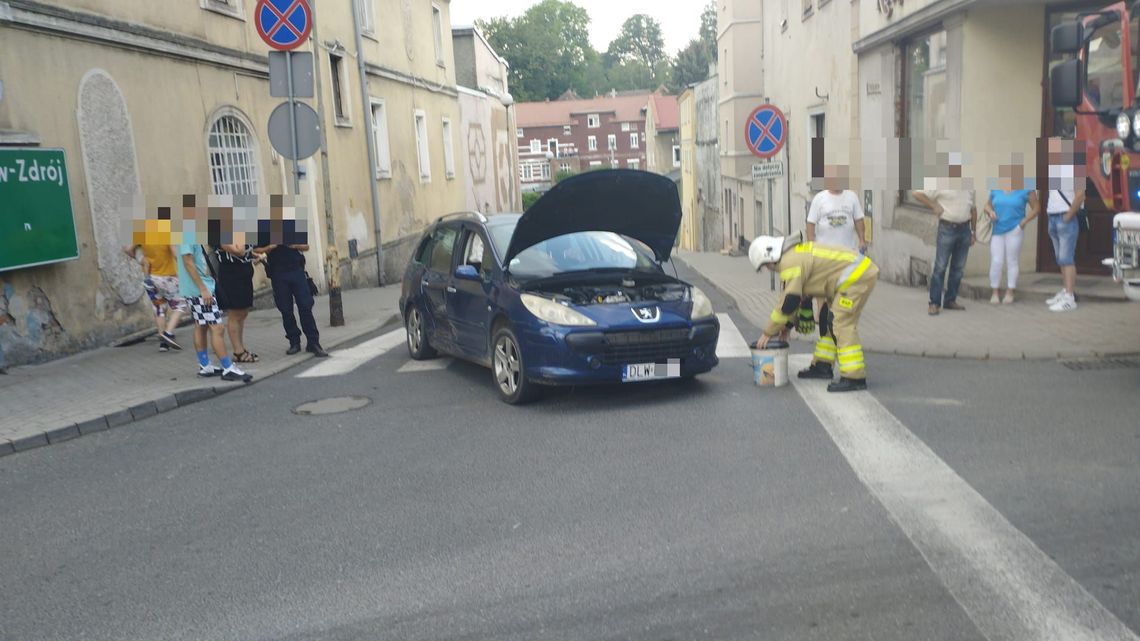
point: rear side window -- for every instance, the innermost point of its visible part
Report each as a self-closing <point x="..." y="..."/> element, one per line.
<point x="423" y="254"/>
<point x="443" y="244"/>
<point x="477" y="253"/>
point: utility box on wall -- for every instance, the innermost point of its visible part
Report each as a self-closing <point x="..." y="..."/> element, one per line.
<point x="37" y="224"/>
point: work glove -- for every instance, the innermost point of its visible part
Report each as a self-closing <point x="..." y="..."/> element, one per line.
<point x="805" y="321"/>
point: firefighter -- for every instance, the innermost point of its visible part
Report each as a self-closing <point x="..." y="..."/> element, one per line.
<point x="842" y="277"/>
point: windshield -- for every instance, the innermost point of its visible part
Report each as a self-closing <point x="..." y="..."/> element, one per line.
<point x="1106" y="67"/>
<point x="579" y="251"/>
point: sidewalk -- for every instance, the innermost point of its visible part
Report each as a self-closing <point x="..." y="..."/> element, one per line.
<point x="112" y="386"/>
<point x="895" y="320"/>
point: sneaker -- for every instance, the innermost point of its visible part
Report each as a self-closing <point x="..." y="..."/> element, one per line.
<point x="1056" y="298"/>
<point x="1065" y="304"/>
<point x="168" y="339"/>
<point x="954" y="306"/>
<point x="209" y="370"/>
<point x="163" y="347"/>
<point x="817" y="370"/>
<point x="234" y="373"/>
<point x="994" y="300"/>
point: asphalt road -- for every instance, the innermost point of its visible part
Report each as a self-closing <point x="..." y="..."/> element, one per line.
<point x="700" y="510"/>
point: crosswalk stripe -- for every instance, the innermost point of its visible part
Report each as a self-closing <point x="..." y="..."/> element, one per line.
<point x="731" y="343"/>
<point x="1010" y="589"/>
<point x="432" y="365"/>
<point x="343" y="361"/>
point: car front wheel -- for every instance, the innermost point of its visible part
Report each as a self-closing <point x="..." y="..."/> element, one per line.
<point x="418" y="347"/>
<point x="508" y="369"/>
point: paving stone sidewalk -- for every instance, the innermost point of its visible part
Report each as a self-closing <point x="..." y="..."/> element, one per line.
<point x="112" y="386"/>
<point x="895" y="320"/>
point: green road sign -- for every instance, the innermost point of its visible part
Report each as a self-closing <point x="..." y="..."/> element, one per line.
<point x="37" y="225"/>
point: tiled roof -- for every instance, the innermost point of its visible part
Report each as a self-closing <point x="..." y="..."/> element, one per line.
<point x="668" y="112"/>
<point x="560" y="112"/>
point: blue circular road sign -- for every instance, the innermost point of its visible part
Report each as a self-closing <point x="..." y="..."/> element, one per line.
<point x="283" y="24"/>
<point x="766" y="131"/>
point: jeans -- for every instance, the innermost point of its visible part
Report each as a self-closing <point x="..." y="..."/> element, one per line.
<point x="1006" y="249"/>
<point x="953" y="246"/>
<point x="1064" y="236"/>
<point x="289" y="287"/>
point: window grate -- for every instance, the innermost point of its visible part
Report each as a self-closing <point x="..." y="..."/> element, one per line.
<point x="233" y="164"/>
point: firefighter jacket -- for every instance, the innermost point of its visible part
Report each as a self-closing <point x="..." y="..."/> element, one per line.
<point x="810" y="270"/>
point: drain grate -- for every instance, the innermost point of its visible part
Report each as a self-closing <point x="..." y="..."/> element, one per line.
<point x="1101" y="363"/>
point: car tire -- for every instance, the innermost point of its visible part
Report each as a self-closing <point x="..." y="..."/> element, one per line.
<point x="508" y="372"/>
<point x="418" y="347"/>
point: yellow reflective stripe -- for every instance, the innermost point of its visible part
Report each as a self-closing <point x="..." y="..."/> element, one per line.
<point x="850" y="367"/>
<point x="790" y="273"/>
<point x="859" y="271"/>
<point x="824" y="358"/>
<point x="850" y="358"/>
<point x="821" y="346"/>
<point x="834" y="254"/>
<point x="804" y="248"/>
<point x="851" y="349"/>
<point x="779" y="317"/>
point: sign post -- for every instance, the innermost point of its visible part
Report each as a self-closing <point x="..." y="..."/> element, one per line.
<point x="284" y="25"/>
<point x="766" y="131"/>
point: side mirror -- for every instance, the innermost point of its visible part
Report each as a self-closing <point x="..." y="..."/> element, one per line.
<point x="1065" y="84"/>
<point x="1068" y="37"/>
<point x="466" y="272"/>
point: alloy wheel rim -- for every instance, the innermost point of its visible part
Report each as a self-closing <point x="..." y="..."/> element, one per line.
<point x="415" y="330"/>
<point x="507" y="367"/>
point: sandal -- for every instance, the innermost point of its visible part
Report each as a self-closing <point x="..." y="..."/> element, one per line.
<point x="246" y="357"/>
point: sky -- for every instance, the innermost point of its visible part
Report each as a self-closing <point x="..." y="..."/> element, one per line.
<point x="680" y="20"/>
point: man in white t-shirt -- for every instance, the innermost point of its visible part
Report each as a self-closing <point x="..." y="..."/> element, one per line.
<point x="835" y="218"/>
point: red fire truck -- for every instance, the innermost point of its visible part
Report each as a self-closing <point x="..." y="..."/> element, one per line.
<point x="1100" y="84"/>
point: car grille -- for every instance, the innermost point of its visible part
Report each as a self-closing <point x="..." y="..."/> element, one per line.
<point x="648" y="346"/>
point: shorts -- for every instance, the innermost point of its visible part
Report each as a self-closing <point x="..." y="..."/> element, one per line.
<point x="235" y="285"/>
<point x="165" y="288"/>
<point x="205" y="314"/>
<point x="1064" y="236"/>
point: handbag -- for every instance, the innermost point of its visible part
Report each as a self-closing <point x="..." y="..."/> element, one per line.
<point x="1082" y="215"/>
<point x="312" y="286"/>
<point x="984" y="228"/>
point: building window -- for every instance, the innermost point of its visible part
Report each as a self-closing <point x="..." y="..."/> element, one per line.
<point x="422" y="146"/>
<point x="625" y="126"/>
<point x="593" y="121"/>
<point x="380" y="136"/>
<point x="676" y="155"/>
<point x="233" y="157"/>
<point x="924" y="79"/>
<point x="518" y="133"/>
<point x="552" y="146"/>
<point x="633" y="163"/>
<point x="546" y="171"/>
<point x="566" y="131"/>
<point x="611" y="141"/>
<point x="564" y="166"/>
<point x="595" y="163"/>
<point x="339" y="89"/>
<point x="367" y="21"/>
<point x="536" y="146"/>
<point x="231" y="8"/>
<point x="634" y="142"/>
<point x="437" y="33"/>
<point x="448" y="150"/>
<point x="592" y="143"/>
<point x="524" y="172"/>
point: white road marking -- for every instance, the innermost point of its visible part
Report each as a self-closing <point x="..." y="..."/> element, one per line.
<point x="343" y="361"/>
<point x="731" y="343"/>
<point x="425" y="366"/>
<point x="1009" y="588"/>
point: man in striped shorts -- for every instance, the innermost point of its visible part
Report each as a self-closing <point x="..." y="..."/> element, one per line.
<point x="840" y="276"/>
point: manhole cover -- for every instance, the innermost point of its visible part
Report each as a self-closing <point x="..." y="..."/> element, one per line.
<point x="1101" y="363"/>
<point x="333" y="405"/>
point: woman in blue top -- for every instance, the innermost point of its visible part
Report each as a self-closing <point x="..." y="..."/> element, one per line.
<point x="1006" y="208"/>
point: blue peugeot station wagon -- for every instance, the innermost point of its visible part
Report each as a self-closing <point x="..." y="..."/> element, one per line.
<point x="572" y="292"/>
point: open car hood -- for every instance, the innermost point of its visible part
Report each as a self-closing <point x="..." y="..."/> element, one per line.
<point x="632" y="203"/>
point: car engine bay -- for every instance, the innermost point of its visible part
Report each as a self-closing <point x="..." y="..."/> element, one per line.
<point x="627" y="291"/>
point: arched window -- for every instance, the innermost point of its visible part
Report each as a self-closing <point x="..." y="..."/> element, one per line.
<point x="233" y="157"/>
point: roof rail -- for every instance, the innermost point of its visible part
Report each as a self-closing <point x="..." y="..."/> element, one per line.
<point x="473" y="214"/>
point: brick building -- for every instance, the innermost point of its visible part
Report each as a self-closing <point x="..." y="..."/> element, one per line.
<point x="579" y="135"/>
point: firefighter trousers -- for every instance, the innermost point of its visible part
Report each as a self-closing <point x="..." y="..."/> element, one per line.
<point x="847" y="307"/>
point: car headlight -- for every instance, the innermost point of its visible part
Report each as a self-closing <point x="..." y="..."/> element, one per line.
<point x="1123" y="125"/>
<point x="555" y="313"/>
<point x="702" y="306"/>
<point x="1136" y="123"/>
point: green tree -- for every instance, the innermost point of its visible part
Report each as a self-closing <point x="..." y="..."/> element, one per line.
<point x="708" y="30"/>
<point x="691" y="65"/>
<point x="639" y="40"/>
<point x="548" y="48"/>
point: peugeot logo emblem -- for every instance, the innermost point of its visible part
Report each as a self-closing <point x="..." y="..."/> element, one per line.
<point x="647" y="314"/>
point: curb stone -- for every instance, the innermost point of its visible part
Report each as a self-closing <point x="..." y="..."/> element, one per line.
<point x="166" y="403"/>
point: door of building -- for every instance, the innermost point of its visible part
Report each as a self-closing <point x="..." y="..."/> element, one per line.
<point x="1096" y="245"/>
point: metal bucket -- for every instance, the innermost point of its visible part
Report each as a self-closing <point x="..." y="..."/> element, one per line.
<point x="770" y="366"/>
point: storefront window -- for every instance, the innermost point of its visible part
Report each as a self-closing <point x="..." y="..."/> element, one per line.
<point x="924" y="69"/>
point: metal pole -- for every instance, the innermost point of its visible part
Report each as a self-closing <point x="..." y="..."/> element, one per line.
<point x="788" y="174"/>
<point x="293" y="124"/>
<point x="332" y="257"/>
<point x="771" y="228"/>
<point x="371" y="144"/>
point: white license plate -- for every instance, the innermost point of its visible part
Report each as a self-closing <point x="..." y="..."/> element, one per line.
<point x="651" y="371"/>
<point x="1128" y="237"/>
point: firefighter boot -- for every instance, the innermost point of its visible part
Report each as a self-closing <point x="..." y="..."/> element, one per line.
<point x="848" y="385"/>
<point x="822" y="371"/>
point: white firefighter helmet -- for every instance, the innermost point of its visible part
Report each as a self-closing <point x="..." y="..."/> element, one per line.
<point x="767" y="250"/>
